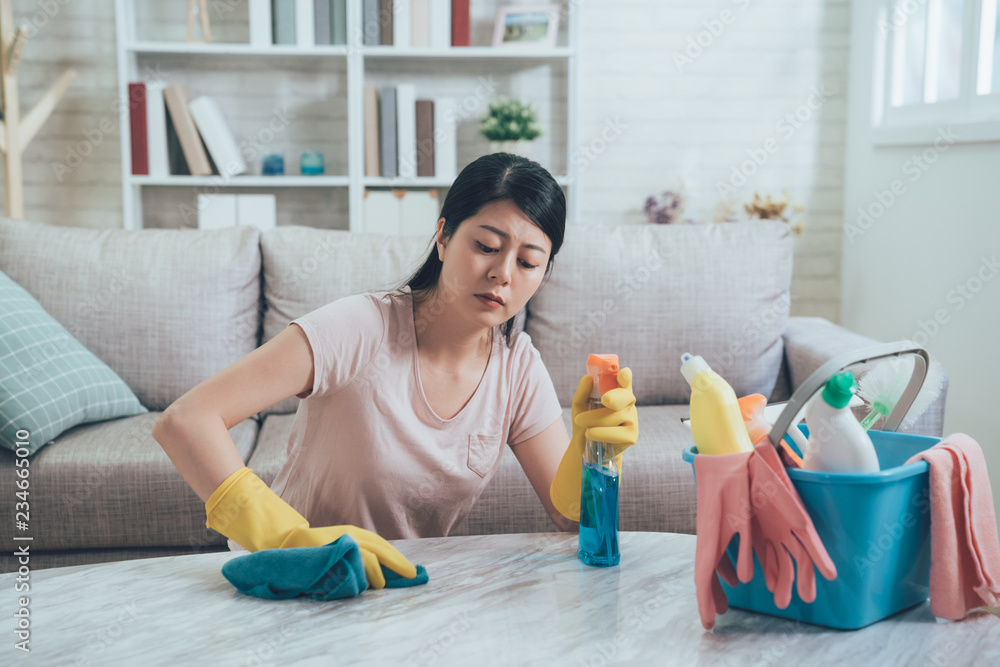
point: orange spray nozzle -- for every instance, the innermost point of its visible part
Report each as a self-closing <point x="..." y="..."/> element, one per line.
<point x="604" y="369"/>
<point x="752" y="409"/>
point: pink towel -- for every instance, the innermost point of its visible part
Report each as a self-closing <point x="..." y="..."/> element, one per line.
<point x="965" y="550"/>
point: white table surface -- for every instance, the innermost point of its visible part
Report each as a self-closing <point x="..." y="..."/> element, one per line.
<point x="491" y="600"/>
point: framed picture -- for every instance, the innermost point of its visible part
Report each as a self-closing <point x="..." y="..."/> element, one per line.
<point x="526" y="26"/>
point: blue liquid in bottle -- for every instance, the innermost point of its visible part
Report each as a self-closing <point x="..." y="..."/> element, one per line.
<point x="599" y="484"/>
<point x="599" y="513"/>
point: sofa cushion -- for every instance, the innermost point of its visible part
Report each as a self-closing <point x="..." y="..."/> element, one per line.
<point x="49" y="382"/>
<point x="650" y="293"/>
<point x="109" y="484"/>
<point x="164" y="308"/>
<point x="657" y="493"/>
<point x="306" y="268"/>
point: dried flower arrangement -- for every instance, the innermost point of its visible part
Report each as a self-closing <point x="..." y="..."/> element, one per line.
<point x="665" y="208"/>
<point x="775" y="209"/>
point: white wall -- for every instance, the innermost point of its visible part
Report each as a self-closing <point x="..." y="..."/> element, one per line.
<point x="698" y="120"/>
<point x="940" y="236"/>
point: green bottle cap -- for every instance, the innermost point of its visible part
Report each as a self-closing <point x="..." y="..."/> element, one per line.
<point x="838" y="391"/>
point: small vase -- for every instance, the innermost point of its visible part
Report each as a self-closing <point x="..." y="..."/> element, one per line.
<point x="516" y="147"/>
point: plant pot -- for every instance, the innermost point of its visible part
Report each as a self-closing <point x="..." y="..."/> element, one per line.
<point x="517" y="147"/>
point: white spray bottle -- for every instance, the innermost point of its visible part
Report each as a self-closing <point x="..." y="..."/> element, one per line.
<point x="837" y="441"/>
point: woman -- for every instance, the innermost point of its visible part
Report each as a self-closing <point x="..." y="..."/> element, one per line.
<point x="409" y="396"/>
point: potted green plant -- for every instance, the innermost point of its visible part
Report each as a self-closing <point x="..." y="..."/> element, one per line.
<point x="510" y="125"/>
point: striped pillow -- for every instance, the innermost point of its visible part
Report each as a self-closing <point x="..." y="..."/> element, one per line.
<point x="49" y="382"/>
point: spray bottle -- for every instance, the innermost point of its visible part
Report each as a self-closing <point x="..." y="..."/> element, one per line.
<point x="716" y="421"/>
<point x="599" y="486"/>
<point x="837" y="442"/>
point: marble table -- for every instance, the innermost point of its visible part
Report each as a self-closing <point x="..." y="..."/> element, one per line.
<point x="491" y="600"/>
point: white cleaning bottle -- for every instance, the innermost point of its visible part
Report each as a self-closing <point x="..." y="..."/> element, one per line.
<point x="837" y="441"/>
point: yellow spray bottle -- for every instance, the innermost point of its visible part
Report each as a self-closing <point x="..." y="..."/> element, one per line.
<point x="716" y="421"/>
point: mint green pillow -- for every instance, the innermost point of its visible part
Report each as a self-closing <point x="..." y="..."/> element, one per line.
<point x="49" y="382"/>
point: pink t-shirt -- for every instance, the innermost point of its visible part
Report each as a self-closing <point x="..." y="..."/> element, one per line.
<point x="366" y="449"/>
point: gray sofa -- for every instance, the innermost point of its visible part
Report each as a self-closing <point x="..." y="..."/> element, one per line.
<point x="166" y="309"/>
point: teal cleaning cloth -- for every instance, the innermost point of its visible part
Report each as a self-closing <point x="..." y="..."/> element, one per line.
<point x="329" y="572"/>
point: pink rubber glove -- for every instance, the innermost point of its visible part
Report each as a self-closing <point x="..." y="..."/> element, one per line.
<point x="723" y="482"/>
<point x="782" y="530"/>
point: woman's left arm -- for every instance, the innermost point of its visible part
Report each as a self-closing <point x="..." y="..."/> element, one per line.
<point x="539" y="456"/>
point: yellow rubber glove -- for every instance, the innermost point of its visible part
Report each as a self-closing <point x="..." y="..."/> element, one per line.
<point x="248" y="512"/>
<point x="617" y="423"/>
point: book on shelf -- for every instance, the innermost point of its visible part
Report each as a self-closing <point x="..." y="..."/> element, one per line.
<point x="387" y="131"/>
<point x="217" y="135"/>
<point x="417" y="23"/>
<point x="260" y="22"/>
<point x="371" y="132"/>
<point x="283" y="18"/>
<point x="420" y="30"/>
<point x="194" y="158"/>
<point x="440" y="24"/>
<point x="445" y="139"/>
<point x="460" y="23"/>
<point x="305" y="28"/>
<point x="406" y="137"/>
<point x="370" y="32"/>
<point x="328" y="25"/>
<point x="322" y="22"/>
<point x="401" y="22"/>
<point x="338" y="18"/>
<point x="176" y="162"/>
<point x="425" y="137"/>
<point x="156" y="129"/>
<point x="385" y="26"/>
<point x="137" y="127"/>
<point x="401" y="212"/>
<point x="406" y="129"/>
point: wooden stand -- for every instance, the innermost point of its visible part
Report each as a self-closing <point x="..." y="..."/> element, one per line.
<point x="16" y="134"/>
<point x="206" y="34"/>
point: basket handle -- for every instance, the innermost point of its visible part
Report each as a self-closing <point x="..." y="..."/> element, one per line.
<point x="821" y="375"/>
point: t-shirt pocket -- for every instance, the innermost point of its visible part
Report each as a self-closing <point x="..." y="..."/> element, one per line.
<point x="484" y="449"/>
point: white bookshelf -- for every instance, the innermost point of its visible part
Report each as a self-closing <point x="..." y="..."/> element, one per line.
<point x="362" y="65"/>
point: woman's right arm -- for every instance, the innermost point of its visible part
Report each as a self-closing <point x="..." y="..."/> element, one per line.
<point x="194" y="429"/>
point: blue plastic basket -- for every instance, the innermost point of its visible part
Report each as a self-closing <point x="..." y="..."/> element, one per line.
<point x="875" y="526"/>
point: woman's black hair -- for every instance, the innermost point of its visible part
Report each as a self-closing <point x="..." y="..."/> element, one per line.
<point x="494" y="178"/>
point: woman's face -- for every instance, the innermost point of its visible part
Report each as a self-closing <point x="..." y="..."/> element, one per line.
<point x="497" y="252"/>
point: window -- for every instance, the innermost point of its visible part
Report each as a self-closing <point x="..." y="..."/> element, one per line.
<point x="938" y="63"/>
